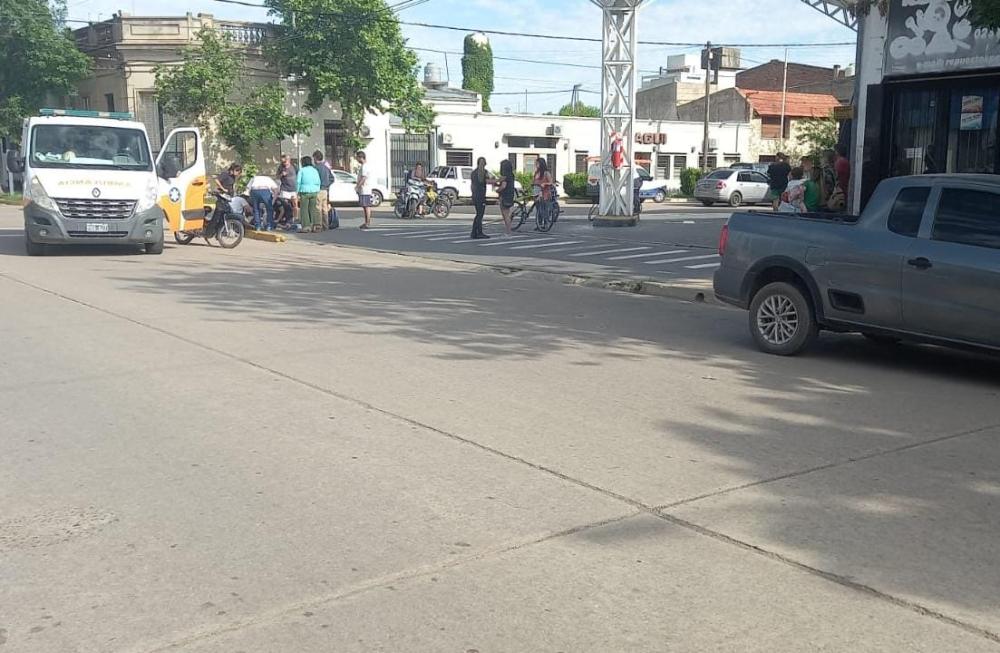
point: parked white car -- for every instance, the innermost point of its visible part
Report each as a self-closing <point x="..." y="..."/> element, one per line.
<point x="456" y="182"/>
<point x="651" y="189"/>
<point x="342" y="190"/>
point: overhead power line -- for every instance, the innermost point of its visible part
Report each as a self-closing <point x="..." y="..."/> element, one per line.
<point x="556" y="37"/>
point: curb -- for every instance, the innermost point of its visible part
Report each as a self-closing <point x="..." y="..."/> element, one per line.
<point x="266" y="236"/>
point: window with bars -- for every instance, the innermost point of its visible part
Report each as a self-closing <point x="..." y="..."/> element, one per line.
<point x="680" y="162"/>
<point x="712" y="161"/>
<point x="148" y="113"/>
<point x="458" y="158"/>
<point x="581" y="162"/>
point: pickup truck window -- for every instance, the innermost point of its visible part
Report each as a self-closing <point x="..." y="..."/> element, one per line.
<point x="969" y="217"/>
<point x="907" y="211"/>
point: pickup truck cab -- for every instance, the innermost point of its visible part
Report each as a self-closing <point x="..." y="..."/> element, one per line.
<point x="922" y="263"/>
<point x="455" y="182"/>
<point x="90" y="178"/>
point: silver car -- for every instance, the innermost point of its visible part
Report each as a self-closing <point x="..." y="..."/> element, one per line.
<point x="732" y="186"/>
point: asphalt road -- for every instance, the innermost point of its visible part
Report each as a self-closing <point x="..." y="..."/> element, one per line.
<point x="303" y="448"/>
<point x="670" y="242"/>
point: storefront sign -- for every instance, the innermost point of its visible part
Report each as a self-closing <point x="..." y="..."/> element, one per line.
<point x="650" y="138"/>
<point x="937" y="36"/>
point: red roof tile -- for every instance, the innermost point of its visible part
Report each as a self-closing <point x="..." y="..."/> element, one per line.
<point x="797" y="105"/>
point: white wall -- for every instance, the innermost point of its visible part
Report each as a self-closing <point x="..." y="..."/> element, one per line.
<point x="872" y="34"/>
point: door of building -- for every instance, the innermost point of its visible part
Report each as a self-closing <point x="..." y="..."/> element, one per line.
<point x="407" y="150"/>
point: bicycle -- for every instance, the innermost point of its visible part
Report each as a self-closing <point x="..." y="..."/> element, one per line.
<point x="595" y="208"/>
<point x="546" y="212"/>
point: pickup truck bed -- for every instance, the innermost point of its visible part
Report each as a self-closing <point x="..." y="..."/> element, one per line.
<point x="922" y="262"/>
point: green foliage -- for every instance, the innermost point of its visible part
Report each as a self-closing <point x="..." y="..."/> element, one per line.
<point x="816" y="135"/>
<point x="351" y="52"/>
<point x="575" y="184"/>
<point x="39" y="58"/>
<point x="197" y="90"/>
<point x="477" y="68"/>
<point x="689" y="178"/>
<point x="258" y="119"/>
<point x="986" y="13"/>
<point x="525" y="179"/>
<point x="581" y="110"/>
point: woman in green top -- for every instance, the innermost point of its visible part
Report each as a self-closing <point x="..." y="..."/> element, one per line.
<point x="813" y="197"/>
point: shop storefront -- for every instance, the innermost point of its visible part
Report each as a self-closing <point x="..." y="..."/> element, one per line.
<point x="934" y="108"/>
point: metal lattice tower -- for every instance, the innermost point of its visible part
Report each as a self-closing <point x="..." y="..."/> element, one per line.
<point x="617" y="107"/>
<point x="837" y="10"/>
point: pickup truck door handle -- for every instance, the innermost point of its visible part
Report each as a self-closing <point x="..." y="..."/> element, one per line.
<point x="920" y="263"/>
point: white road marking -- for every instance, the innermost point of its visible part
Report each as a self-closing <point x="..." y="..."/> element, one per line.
<point x="424" y="234"/>
<point x="504" y="241"/>
<point x="702" y="266"/>
<point x="610" y="251"/>
<point x="451" y="235"/>
<point x="646" y="255"/>
<point x="556" y="244"/>
<point x="680" y="260"/>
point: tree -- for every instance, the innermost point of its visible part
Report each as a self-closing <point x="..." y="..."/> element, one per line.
<point x="477" y="67"/>
<point x="201" y="90"/>
<point x="816" y="135"/>
<point x="39" y="59"/>
<point x="581" y="110"/>
<point x="197" y="90"/>
<point x="351" y="52"/>
<point x="986" y="13"/>
<point x="258" y="119"/>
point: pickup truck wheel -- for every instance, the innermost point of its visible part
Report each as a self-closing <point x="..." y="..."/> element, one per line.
<point x="660" y="197"/>
<point x="451" y="194"/>
<point x="781" y="319"/>
<point x="735" y="199"/>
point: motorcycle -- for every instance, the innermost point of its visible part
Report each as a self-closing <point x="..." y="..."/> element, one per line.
<point x="224" y="225"/>
<point x="410" y="199"/>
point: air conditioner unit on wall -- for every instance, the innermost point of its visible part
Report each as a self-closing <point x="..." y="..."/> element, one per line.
<point x="713" y="144"/>
<point x="447" y="138"/>
<point x="553" y="130"/>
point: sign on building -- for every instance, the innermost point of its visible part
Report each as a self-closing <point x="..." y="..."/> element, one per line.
<point x="937" y="36"/>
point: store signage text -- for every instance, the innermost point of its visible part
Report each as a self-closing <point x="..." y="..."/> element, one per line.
<point x="650" y="138"/>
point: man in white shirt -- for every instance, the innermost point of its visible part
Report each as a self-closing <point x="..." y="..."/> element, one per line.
<point x="262" y="190"/>
<point x="364" y="188"/>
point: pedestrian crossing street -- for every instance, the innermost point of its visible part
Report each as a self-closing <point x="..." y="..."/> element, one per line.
<point x="646" y="258"/>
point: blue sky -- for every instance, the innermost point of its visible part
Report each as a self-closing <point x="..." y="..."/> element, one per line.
<point x="721" y="21"/>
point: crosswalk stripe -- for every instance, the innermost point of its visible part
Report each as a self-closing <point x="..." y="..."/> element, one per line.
<point x="648" y="254"/>
<point x="556" y="244"/>
<point x="680" y="260"/>
<point x="702" y="266"/>
<point x="506" y="241"/>
<point x="424" y="234"/>
<point x="442" y="237"/>
<point x="609" y="251"/>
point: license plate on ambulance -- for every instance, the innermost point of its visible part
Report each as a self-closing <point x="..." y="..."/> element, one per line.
<point x="97" y="228"/>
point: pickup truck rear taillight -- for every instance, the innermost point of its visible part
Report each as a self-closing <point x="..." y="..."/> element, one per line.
<point x="720" y="185"/>
<point x="723" y="239"/>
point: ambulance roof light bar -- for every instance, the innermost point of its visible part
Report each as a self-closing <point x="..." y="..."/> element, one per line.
<point x="83" y="113"/>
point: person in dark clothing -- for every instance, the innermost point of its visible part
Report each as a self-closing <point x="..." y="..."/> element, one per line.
<point x="506" y="192"/>
<point x="480" y="177"/>
<point x="226" y="181"/>
<point x="778" y="173"/>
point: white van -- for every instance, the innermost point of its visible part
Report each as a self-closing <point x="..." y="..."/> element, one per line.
<point x="89" y="177"/>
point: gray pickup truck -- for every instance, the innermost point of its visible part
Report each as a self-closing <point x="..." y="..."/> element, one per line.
<point x="922" y="263"/>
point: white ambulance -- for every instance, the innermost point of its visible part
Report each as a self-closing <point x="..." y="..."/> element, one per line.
<point x="89" y="177"/>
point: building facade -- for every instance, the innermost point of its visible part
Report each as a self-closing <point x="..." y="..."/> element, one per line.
<point x="127" y="49"/>
<point x="929" y="92"/>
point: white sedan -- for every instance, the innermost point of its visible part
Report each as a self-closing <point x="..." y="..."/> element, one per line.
<point x="342" y="189"/>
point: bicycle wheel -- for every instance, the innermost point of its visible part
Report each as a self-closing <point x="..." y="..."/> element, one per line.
<point x="543" y="217"/>
<point x="518" y="214"/>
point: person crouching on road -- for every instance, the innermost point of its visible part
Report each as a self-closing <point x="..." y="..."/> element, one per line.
<point x="262" y="191"/>
<point x="307" y="186"/>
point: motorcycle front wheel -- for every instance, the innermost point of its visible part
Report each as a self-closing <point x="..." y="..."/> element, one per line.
<point x="411" y="208"/>
<point x="399" y="208"/>
<point x="230" y="233"/>
<point x="183" y="237"/>
<point x="441" y="208"/>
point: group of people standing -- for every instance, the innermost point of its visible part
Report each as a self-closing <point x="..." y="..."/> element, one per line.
<point x="543" y="188"/>
<point x="813" y="186"/>
<point x="295" y="192"/>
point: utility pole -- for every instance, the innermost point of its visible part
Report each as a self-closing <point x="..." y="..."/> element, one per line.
<point x="526" y="100"/>
<point x="784" y="92"/>
<point x="707" y="59"/>
<point x="574" y="100"/>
